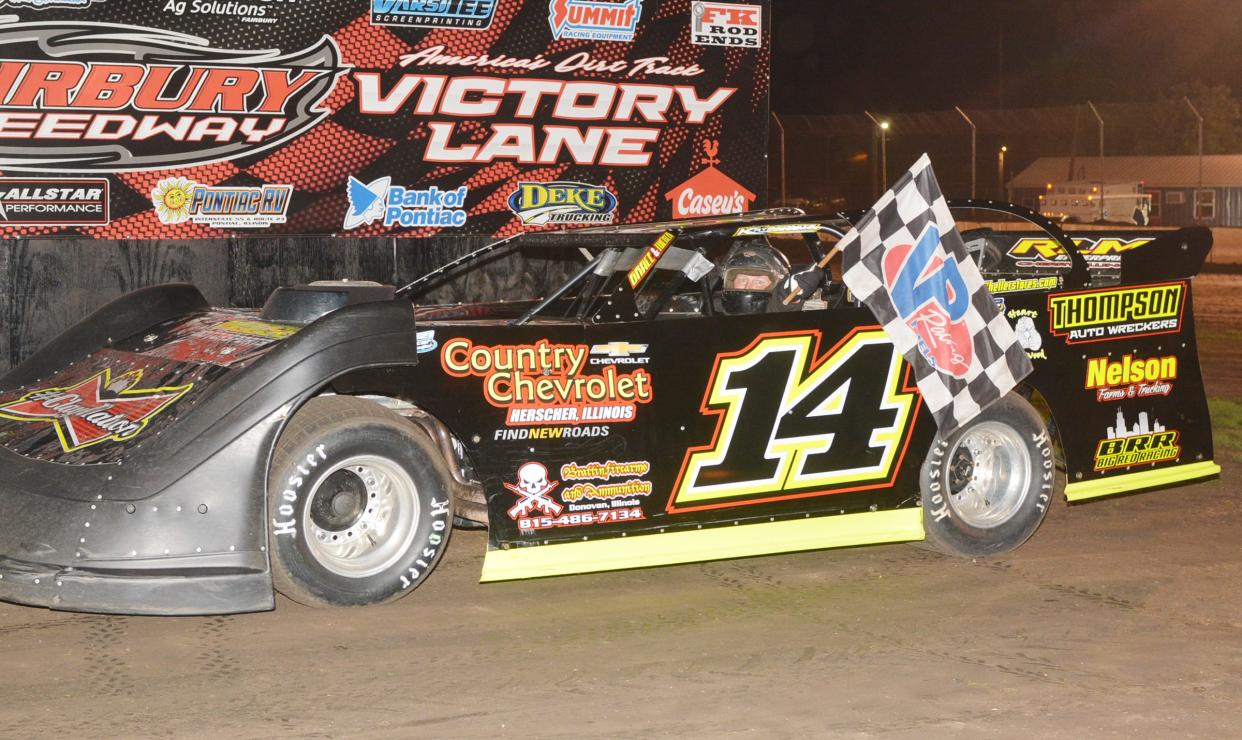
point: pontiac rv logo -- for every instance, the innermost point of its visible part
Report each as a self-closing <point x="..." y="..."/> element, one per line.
<point x="74" y="98"/>
<point x="549" y="203"/>
<point x="595" y="20"/>
<point x="474" y="15"/>
<point x="178" y="200"/>
<point x="95" y="410"/>
<point x="53" y="202"/>
<point x="1097" y="315"/>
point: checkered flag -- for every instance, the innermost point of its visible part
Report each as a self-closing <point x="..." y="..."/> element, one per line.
<point x="905" y="259"/>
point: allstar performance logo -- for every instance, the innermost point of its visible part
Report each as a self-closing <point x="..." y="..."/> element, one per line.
<point x="53" y="202"/>
<point x="95" y="410"/>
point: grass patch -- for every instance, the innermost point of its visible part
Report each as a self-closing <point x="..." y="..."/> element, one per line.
<point x="1227" y="425"/>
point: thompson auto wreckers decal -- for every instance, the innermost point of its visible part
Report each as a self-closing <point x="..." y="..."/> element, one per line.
<point x="200" y="119"/>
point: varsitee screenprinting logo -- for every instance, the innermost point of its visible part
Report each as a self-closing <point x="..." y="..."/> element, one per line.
<point x="475" y="15"/>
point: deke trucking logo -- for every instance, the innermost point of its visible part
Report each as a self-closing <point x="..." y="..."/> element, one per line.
<point x="930" y="295"/>
<point x="726" y="24"/>
<point x="48" y="202"/>
<point x="546" y="383"/>
<point x="474" y="15"/>
<point x="178" y="200"/>
<point x="1094" y="316"/>
<point x="1130" y="377"/>
<point x="595" y="20"/>
<point x="1141" y="444"/>
<point x="549" y="203"/>
<point x="380" y="200"/>
<point x="95" y="410"/>
<point x="73" y="97"/>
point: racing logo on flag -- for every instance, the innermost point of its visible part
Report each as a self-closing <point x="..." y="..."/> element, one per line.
<point x="532" y="489"/>
<point x="906" y="260"/>
<point x="95" y="410"/>
<point x="932" y="299"/>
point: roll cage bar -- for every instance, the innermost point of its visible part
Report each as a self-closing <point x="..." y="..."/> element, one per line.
<point x="621" y="247"/>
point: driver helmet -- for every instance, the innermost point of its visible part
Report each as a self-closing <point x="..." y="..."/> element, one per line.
<point x="751" y="271"/>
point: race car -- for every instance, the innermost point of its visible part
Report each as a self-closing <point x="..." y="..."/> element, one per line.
<point x="694" y="390"/>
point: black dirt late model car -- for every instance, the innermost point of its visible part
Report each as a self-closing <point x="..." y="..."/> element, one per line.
<point x="669" y="403"/>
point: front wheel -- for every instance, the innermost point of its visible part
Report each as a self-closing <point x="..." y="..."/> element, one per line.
<point x="358" y="504"/>
<point x="987" y="486"/>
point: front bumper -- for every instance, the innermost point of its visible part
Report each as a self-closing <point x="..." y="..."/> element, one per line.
<point x="154" y="593"/>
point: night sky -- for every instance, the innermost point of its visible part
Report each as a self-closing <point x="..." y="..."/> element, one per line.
<point x="903" y="55"/>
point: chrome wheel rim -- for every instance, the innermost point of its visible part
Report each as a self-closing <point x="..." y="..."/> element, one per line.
<point x="989" y="475"/>
<point x="361" y="517"/>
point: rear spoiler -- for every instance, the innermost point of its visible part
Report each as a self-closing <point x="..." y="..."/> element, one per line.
<point x="1170" y="255"/>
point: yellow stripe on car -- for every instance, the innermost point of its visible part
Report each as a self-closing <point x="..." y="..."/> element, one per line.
<point x="743" y="540"/>
<point x="1115" y="484"/>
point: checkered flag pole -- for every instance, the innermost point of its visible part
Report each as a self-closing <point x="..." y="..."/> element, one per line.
<point x="906" y="261"/>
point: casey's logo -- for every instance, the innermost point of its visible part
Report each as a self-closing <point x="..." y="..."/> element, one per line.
<point x="96" y="409"/>
<point x="157" y="100"/>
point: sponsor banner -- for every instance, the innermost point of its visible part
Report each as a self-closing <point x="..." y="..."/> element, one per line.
<point x="1144" y="442"/>
<point x="286" y="116"/>
<point x="1099" y="252"/>
<point x="537" y="507"/>
<point x="1000" y="286"/>
<point x="1024" y="328"/>
<point x="33" y="201"/>
<point x="548" y="385"/>
<point x="1115" y="313"/>
<point x="647" y="262"/>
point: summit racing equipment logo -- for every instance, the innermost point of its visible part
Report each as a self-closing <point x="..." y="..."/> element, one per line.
<point x="1141" y="444"/>
<point x="546" y="383"/>
<point x="726" y="24"/>
<point x="53" y="202"/>
<point x="594" y="20"/>
<point x="73" y="98"/>
<point x="932" y="298"/>
<point x="475" y="15"/>
<point x="710" y="192"/>
<point x="178" y="200"/>
<point x="545" y="204"/>
<point x="398" y="206"/>
<point x="95" y="410"/>
<point x="1098" y="315"/>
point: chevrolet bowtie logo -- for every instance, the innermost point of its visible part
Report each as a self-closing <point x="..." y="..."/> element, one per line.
<point x="618" y="349"/>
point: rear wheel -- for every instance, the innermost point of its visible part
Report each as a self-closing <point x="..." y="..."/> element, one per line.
<point x="359" y="505"/>
<point x="987" y="486"/>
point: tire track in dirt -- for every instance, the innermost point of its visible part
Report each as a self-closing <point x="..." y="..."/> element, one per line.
<point x="108" y="670"/>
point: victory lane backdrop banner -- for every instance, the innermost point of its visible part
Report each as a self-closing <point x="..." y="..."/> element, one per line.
<point x="200" y="119"/>
<point x="906" y="260"/>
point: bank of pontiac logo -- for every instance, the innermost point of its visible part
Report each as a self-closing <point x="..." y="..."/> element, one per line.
<point x="366" y="201"/>
<point x="95" y="410"/>
<point x="562" y="203"/>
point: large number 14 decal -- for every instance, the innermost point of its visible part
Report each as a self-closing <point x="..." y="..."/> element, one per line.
<point x="793" y="424"/>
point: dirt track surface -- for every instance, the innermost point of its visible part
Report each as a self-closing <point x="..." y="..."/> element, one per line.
<point x="1120" y="618"/>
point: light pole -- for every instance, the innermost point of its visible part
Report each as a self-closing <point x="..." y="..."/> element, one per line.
<point x="883" y="127"/>
<point x="1200" y="119"/>
<point x="1099" y="119"/>
<point x="1000" y="171"/>
<point x="973" y="148"/>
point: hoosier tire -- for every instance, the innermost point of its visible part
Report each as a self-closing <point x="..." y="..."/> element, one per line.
<point x="359" y="510"/>
<point x="987" y="487"/>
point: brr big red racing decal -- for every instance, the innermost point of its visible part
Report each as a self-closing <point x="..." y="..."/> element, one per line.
<point x="233" y="112"/>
